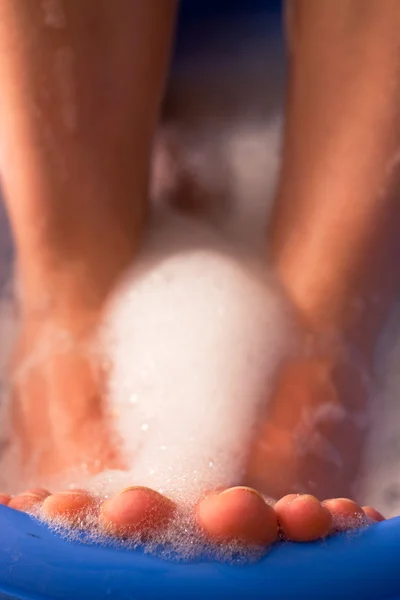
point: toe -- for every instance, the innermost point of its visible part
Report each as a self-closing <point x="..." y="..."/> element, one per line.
<point x="30" y="500"/>
<point x="346" y="514"/>
<point x="5" y="499"/>
<point x="136" y="510"/>
<point x="238" y="513"/>
<point x="373" y="514"/>
<point x="70" y="506"/>
<point x="302" y="518"/>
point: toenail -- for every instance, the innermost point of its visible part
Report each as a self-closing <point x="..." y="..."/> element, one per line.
<point x="150" y="494"/>
<point x="37" y="492"/>
<point x="132" y="488"/>
<point x="307" y="497"/>
<point x="31" y="495"/>
<point x="141" y="488"/>
<point x="290" y="498"/>
<point x="244" y="488"/>
<point x="73" y="493"/>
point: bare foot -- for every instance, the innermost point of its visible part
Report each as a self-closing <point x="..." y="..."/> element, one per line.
<point x="57" y="397"/>
<point x="77" y="420"/>
<point x="237" y="513"/>
<point x="313" y="438"/>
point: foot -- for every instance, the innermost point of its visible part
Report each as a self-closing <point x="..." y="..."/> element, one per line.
<point x="57" y="397"/>
<point x="237" y="513"/>
<point x="59" y="400"/>
<point x="314" y="436"/>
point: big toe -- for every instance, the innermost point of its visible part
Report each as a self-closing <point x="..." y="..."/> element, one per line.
<point x="302" y="518"/>
<point x="238" y="513"/>
<point x="136" y="510"/>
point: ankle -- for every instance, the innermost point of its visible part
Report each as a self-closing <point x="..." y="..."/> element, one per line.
<point x="67" y="286"/>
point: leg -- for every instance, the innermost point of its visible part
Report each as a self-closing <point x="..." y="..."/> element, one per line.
<point x="246" y="515"/>
<point x="74" y="133"/>
<point x="334" y="236"/>
<point x="81" y="89"/>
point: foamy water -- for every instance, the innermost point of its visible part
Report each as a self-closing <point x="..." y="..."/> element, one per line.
<point x="194" y="337"/>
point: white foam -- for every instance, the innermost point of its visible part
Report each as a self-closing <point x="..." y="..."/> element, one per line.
<point x="196" y="332"/>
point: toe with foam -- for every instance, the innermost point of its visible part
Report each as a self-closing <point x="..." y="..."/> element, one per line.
<point x="346" y="514"/>
<point x="302" y="518"/>
<point x="238" y="513"/>
<point x="136" y="510"/>
<point x="69" y="506"/>
<point x="29" y="501"/>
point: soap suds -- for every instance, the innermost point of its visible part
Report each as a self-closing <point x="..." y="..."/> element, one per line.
<point x="197" y="333"/>
<point x="181" y="541"/>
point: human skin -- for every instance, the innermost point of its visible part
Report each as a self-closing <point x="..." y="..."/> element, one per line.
<point x="82" y="88"/>
<point x="334" y="230"/>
